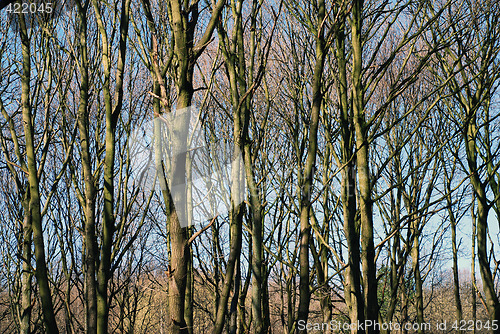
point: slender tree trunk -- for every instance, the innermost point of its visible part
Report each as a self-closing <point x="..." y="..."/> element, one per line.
<point x="242" y="323"/>
<point x="415" y="253"/>
<point x="233" y="309"/>
<point x="491" y="297"/>
<point x="35" y="214"/>
<point x="266" y="312"/>
<point x="325" y="300"/>
<point x="396" y="252"/>
<point x="237" y="190"/>
<point x="353" y="294"/>
<point x="235" y="250"/>
<point x="27" y="274"/>
<point x="309" y="170"/>
<point x="473" y="264"/>
<point x="236" y="223"/>
<point x="178" y="270"/>
<point x="183" y="19"/>
<point x="454" y="248"/>
<point x="188" y="304"/>
<point x="91" y="251"/>
<point x="404" y="304"/>
<point x="177" y="275"/>
<point x="257" y="246"/>
<point x="323" y="258"/>
<point x="215" y="252"/>
<point x="484" y="266"/>
<point x="291" y="288"/>
<point x="178" y="234"/>
<point x="112" y="115"/>
<point x="363" y="171"/>
<point x="241" y="76"/>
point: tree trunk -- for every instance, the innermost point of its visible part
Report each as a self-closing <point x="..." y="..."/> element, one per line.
<point x="35" y="214"/>
<point x="91" y="251"/>
<point x="492" y="302"/>
<point x="363" y="171"/>
<point x="473" y="265"/>
<point x="27" y="274"/>
<point x="309" y="170"/>
<point x="397" y="261"/>
<point x="257" y="246"/>
<point x="235" y="250"/>
<point x="183" y="21"/>
<point x="415" y="253"/>
<point x="454" y="248"/>
<point x="233" y="309"/>
<point x="352" y="285"/>
<point x="178" y="264"/>
<point x="112" y="115"/>
<point x="266" y="312"/>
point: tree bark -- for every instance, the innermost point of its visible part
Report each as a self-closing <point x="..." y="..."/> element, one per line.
<point x="454" y="248"/>
<point x="27" y="273"/>
<point x="112" y="115"/>
<point x="363" y="171"/>
<point x="34" y="214"/>
<point x="309" y="169"/>
<point x="483" y="207"/>
<point x="183" y="18"/>
<point x="417" y="276"/>
<point x="91" y="251"/>
<point x="352" y="285"/>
